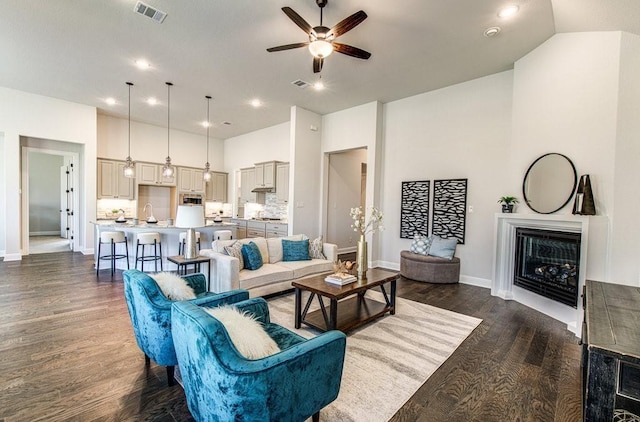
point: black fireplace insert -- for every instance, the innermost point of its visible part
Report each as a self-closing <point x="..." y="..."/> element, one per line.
<point x="548" y="263"/>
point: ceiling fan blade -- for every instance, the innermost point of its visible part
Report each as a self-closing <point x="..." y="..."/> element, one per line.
<point x="347" y="24"/>
<point x="287" y="47"/>
<point x="297" y="19"/>
<point x="317" y="64"/>
<point x="351" y="51"/>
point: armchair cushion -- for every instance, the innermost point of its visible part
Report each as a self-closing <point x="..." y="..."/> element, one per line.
<point x="173" y="286"/>
<point x="245" y="332"/>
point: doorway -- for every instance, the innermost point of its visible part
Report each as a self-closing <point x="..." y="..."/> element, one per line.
<point x="346" y="189"/>
<point x="48" y="201"/>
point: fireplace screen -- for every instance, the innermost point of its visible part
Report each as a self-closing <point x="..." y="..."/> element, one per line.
<point x="547" y="263"/>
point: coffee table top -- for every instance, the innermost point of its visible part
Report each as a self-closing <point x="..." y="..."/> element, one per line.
<point x="316" y="284"/>
<point x="180" y="259"/>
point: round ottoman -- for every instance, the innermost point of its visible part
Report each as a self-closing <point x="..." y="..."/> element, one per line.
<point x="429" y="269"/>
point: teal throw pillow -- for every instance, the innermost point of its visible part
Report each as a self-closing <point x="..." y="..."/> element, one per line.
<point x="295" y="250"/>
<point x="251" y="256"/>
<point x="443" y="248"/>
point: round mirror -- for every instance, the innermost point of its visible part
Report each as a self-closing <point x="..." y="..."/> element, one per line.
<point x="549" y="183"/>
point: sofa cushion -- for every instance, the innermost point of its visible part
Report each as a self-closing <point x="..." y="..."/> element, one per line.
<point x="274" y="245"/>
<point x="421" y="244"/>
<point x="261" y="242"/>
<point x="235" y="250"/>
<point x="443" y="248"/>
<point x="251" y="256"/>
<point x="295" y="250"/>
<point x="315" y="248"/>
<point x="219" y="245"/>
<point x="246" y="333"/>
<point x="305" y="268"/>
<point x="267" y="274"/>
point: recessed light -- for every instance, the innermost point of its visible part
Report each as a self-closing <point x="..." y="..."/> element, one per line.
<point x="507" y="12"/>
<point x="490" y="32"/>
<point x="110" y="101"/>
<point x="318" y="86"/>
<point x="142" y="64"/>
<point x="152" y="101"/>
<point x="256" y="103"/>
<point x="206" y="124"/>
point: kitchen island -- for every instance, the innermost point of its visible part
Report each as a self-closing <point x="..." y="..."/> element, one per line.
<point x="170" y="237"/>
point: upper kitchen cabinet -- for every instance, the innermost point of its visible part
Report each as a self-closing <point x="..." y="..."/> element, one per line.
<point x="266" y="174"/>
<point x="247" y="183"/>
<point x="111" y="180"/>
<point x="282" y="182"/>
<point x="190" y="180"/>
<point x="151" y="174"/>
<point x="217" y="187"/>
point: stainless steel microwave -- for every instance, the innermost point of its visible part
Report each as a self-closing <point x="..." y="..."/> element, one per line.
<point x="190" y="199"/>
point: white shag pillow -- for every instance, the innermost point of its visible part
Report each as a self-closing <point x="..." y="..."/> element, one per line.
<point x="173" y="286"/>
<point x="246" y="333"/>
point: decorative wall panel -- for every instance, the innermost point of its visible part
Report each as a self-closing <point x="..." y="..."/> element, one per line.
<point x="449" y="206"/>
<point x="414" y="209"/>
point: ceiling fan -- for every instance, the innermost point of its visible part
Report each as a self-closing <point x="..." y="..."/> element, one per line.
<point x="322" y="39"/>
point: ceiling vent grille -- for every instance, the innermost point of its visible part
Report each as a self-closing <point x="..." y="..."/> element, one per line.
<point x="300" y="83"/>
<point x="150" y="12"/>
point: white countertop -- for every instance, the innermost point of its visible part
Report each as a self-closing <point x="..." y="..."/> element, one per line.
<point x="159" y="224"/>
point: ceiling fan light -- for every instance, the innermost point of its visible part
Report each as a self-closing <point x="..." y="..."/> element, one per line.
<point x="320" y="48"/>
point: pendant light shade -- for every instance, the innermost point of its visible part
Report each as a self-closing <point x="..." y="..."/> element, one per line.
<point x="168" y="170"/>
<point x="129" y="167"/>
<point x="207" y="169"/>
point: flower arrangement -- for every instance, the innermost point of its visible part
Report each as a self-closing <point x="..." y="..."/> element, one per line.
<point x="364" y="226"/>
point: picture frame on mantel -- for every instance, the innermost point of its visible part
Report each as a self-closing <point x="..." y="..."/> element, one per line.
<point x="449" y="209"/>
<point x="414" y="209"/>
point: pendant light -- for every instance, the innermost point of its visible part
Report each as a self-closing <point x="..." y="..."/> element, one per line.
<point x="129" y="167"/>
<point x="167" y="169"/>
<point x="207" y="169"/>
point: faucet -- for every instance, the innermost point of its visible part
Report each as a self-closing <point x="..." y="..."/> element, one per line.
<point x="150" y="217"/>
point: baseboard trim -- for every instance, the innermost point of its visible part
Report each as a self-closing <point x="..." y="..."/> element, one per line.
<point x="475" y="281"/>
<point x="13" y="257"/>
<point x="46" y="233"/>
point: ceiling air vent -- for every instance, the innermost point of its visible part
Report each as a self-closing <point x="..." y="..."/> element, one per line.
<point x="150" y="12"/>
<point x="300" y="83"/>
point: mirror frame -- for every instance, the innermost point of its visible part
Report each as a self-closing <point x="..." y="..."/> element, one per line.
<point x="575" y="183"/>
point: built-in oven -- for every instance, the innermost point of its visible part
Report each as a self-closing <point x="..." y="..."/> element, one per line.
<point x="190" y="199"/>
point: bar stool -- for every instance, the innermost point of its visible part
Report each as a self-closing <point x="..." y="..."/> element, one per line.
<point x="183" y="239"/>
<point x="149" y="239"/>
<point x="223" y="235"/>
<point x="112" y="238"/>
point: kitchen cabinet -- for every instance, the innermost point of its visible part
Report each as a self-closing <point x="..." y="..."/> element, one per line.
<point x="190" y="180"/>
<point x="217" y="187"/>
<point x="247" y="183"/>
<point x="256" y="229"/>
<point x="111" y="180"/>
<point x="151" y="174"/>
<point x="282" y="182"/>
<point x="265" y="175"/>
<point x="241" y="230"/>
<point x="276" y="229"/>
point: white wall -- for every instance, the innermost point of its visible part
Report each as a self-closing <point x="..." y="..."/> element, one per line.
<point x="462" y="131"/>
<point x="149" y="143"/>
<point x="35" y="116"/>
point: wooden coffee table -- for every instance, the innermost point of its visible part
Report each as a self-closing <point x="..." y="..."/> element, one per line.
<point x="348" y="306"/>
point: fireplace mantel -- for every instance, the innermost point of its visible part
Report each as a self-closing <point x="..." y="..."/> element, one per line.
<point x="504" y="261"/>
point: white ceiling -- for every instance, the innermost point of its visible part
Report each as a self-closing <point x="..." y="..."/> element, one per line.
<point x="83" y="51"/>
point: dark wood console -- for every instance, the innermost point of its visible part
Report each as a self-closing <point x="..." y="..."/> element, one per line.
<point x="611" y="352"/>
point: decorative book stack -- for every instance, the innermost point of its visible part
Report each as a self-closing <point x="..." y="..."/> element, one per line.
<point x="340" y="278"/>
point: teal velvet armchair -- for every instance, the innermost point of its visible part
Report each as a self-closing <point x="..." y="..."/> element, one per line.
<point x="222" y="385"/>
<point x="150" y="313"/>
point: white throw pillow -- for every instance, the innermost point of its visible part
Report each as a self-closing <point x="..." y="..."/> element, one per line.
<point x="246" y="333"/>
<point x="315" y="248"/>
<point x="173" y="286"/>
<point x="235" y="250"/>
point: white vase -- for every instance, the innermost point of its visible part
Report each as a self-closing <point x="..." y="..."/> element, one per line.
<point x="361" y="258"/>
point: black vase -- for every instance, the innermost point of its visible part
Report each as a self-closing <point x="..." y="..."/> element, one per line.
<point x="507" y="208"/>
<point x="584" y="203"/>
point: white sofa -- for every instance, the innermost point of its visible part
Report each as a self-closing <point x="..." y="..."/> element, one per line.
<point x="274" y="276"/>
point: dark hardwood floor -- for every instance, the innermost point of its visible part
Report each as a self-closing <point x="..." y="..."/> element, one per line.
<point x="67" y="352"/>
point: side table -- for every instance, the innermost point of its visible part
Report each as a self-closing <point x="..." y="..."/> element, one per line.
<point x="183" y="263"/>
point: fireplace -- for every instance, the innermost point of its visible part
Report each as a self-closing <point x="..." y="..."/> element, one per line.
<point x="547" y="263"/>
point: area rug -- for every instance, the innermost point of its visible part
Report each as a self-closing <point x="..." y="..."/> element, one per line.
<point x="388" y="359"/>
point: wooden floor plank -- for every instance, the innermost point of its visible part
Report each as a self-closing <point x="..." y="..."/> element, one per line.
<point x="67" y="352"/>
